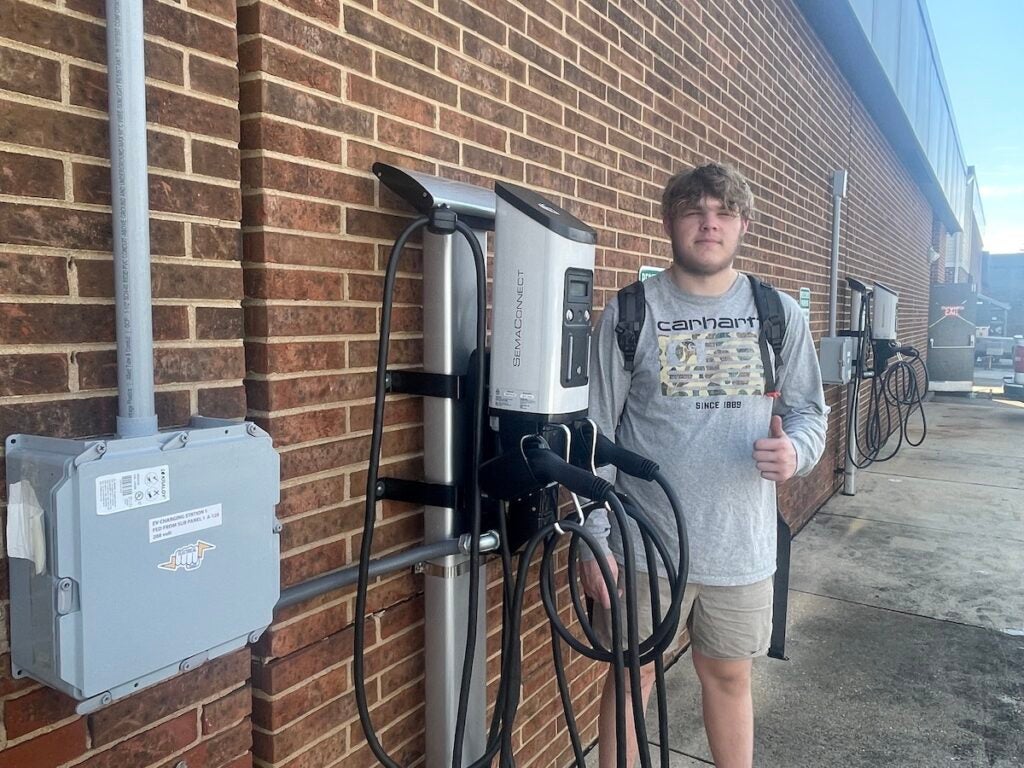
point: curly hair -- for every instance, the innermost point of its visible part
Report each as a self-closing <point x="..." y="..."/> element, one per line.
<point x="715" y="180"/>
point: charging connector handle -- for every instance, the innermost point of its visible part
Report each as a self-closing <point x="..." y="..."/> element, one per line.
<point x="548" y="467"/>
<point x="631" y="463"/>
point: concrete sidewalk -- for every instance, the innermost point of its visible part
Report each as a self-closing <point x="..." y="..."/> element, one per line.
<point x="906" y="626"/>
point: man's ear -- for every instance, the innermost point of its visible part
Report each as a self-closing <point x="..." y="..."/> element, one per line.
<point x="666" y="224"/>
<point x="744" y="226"/>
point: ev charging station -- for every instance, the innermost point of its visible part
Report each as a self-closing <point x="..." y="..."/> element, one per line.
<point x="505" y="427"/>
<point x="865" y="353"/>
<point x="843" y="357"/>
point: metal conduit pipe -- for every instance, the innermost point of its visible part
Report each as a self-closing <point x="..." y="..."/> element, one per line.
<point x="348" y="576"/>
<point x="126" y="77"/>
<point x="838" y="193"/>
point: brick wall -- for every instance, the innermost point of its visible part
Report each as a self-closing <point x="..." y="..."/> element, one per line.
<point x="57" y="360"/>
<point x="594" y="102"/>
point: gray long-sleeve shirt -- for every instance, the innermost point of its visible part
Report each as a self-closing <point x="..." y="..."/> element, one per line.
<point x="695" y="404"/>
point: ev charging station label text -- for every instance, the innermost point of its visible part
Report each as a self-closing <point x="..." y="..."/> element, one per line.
<point x="131" y="490"/>
<point x="179" y="524"/>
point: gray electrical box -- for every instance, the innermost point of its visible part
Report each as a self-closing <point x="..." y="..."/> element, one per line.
<point x="836" y="359"/>
<point x="133" y="559"/>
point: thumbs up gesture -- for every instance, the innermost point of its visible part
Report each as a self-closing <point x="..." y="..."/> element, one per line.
<point x="775" y="455"/>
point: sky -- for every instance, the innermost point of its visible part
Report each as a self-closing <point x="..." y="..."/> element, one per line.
<point x="980" y="46"/>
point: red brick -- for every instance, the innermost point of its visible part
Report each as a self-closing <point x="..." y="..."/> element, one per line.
<point x="163" y="63"/>
<point x="325" y="10"/>
<point x="224" y="750"/>
<point x="218" y="323"/>
<point x="294" y="357"/>
<point x="274" y="714"/>
<point x="494" y="57"/>
<point x="295" y="284"/>
<point x="322" y="525"/>
<point x="309" y="321"/>
<point x="46" y="128"/>
<point x="53" y="748"/>
<point x="312" y="628"/>
<point x="35" y="710"/>
<point x="50" y="30"/>
<point x="176" y="110"/>
<point x="223" y="402"/>
<point x="323" y="457"/>
<point x="492" y="110"/>
<point x="414" y="79"/>
<point x="33" y="375"/>
<point x="378" y="32"/>
<point x="223" y="8"/>
<point x="129" y="715"/>
<point x="429" y="25"/>
<point x="276" y="676"/>
<point x="177" y="25"/>
<point x="378" y="96"/>
<point x="263" y="55"/>
<point x="273" y="173"/>
<point x="278" y="99"/>
<point x="227" y="710"/>
<point x="307" y="250"/>
<point x="471" y="75"/>
<point x="30" y="74"/>
<point x="314" y="40"/>
<point x="278" y="394"/>
<point x="274" y="136"/>
<point x="217" y="160"/>
<point x="212" y="77"/>
<point x="33" y="274"/>
<point x="363" y="354"/>
<point x="149" y="746"/>
<point x="290" y="213"/>
<point x="306" y="730"/>
<point x="470" y="17"/>
<point x="194" y="198"/>
<point x="216" y="242"/>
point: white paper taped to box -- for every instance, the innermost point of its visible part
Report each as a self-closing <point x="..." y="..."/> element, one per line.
<point x="25" y="536"/>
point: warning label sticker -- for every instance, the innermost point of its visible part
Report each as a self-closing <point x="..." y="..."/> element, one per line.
<point x="179" y="524"/>
<point x="131" y="490"/>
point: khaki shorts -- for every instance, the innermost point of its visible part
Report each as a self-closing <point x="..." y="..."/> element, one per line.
<point x="724" y="622"/>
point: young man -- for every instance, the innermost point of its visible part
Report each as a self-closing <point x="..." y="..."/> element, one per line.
<point x="695" y="402"/>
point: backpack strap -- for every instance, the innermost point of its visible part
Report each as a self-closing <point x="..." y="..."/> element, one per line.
<point x="772" y="333"/>
<point x="632" y="308"/>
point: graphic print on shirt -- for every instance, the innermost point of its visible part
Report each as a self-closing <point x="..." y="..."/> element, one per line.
<point x="711" y="364"/>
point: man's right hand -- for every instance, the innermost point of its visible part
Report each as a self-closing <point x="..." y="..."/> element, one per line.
<point x="593" y="581"/>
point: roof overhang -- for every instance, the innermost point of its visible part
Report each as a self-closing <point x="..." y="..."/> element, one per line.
<point x="836" y="24"/>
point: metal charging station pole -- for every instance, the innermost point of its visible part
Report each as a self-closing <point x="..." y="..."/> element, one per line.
<point x="849" y="468"/>
<point x="449" y="336"/>
<point x="449" y="339"/>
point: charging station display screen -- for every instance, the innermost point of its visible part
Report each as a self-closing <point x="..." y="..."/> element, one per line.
<point x="579" y="289"/>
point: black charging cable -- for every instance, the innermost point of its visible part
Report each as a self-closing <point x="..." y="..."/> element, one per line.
<point x="636" y="651"/>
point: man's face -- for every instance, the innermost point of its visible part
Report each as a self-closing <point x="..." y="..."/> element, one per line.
<point x="705" y="236"/>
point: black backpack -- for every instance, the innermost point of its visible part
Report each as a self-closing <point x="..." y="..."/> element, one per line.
<point x="633" y="308"/>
